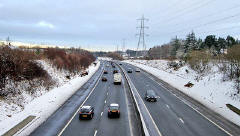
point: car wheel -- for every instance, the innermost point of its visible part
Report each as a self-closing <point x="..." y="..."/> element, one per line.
<point x="91" y="116"/>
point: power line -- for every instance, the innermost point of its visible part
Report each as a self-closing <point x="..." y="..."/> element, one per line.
<point x="211" y="22"/>
<point x="141" y="38"/>
<point x="182" y="11"/>
<point x="190" y="11"/>
<point x="210" y="15"/>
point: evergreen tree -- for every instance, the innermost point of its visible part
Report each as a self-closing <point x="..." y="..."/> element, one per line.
<point x="222" y="44"/>
<point x="190" y="43"/>
<point x="176" y="46"/>
<point x="210" y="41"/>
<point x="200" y="44"/>
<point x="230" y="41"/>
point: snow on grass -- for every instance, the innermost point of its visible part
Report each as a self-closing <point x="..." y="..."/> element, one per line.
<point x="42" y="107"/>
<point x="209" y="89"/>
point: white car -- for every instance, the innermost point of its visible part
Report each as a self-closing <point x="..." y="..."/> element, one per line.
<point x="137" y="70"/>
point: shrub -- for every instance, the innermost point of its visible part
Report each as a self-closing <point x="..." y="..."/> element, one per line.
<point x="73" y="60"/>
<point x="198" y="60"/>
<point x="18" y="65"/>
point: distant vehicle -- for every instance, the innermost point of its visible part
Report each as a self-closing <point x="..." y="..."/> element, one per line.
<point x="129" y="70"/>
<point x="105" y="72"/>
<point x="120" y="63"/>
<point x="151" y="96"/>
<point x="137" y="70"/>
<point x="113" y="66"/>
<point x="104" y="78"/>
<point x="107" y="65"/>
<point x="117" y="77"/>
<point x="113" y="110"/>
<point x="115" y="71"/>
<point x="84" y="73"/>
<point x="86" y="112"/>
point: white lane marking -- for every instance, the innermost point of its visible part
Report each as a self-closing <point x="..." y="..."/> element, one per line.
<point x="101" y="113"/>
<point x="144" y="106"/>
<point x="181" y="120"/>
<point x="105" y="101"/>
<point x="95" y="133"/>
<point x="167" y="106"/>
<point x="80" y="106"/>
<point x="107" y="93"/>
<point x="191" y="106"/>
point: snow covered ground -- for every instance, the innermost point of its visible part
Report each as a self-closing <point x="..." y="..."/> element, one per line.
<point x="47" y="102"/>
<point x="208" y="89"/>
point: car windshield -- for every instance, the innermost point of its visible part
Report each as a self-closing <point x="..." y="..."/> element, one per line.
<point x="85" y="110"/>
<point x="113" y="107"/>
<point x="151" y="93"/>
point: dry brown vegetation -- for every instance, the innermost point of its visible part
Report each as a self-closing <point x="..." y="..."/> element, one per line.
<point x="198" y="60"/>
<point x="19" y="64"/>
<point x="115" y="56"/>
<point x="72" y="60"/>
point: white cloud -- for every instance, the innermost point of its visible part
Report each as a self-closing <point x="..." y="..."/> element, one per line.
<point x="1" y="5"/>
<point x="45" y="24"/>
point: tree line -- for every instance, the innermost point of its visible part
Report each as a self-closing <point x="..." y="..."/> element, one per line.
<point x="178" y="48"/>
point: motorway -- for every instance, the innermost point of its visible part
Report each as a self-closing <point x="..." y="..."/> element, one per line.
<point x="102" y="95"/>
<point x="170" y="115"/>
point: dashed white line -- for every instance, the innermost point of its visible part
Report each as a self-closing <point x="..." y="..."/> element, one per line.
<point x="167" y="106"/>
<point x="101" y="113"/>
<point x="107" y="93"/>
<point x="95" y="133"/>
<point x="181" y="120"/>
<point x="105" y="101"/>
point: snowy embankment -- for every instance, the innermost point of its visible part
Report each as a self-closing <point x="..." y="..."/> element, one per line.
<point x="209" y="89"/>
<point x="47" y="101"/>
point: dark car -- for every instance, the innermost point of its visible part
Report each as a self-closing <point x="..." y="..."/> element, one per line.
<point x="113" y="110"/>
<point x="105" y="72"/>
<point x="129" y="70"/>
<point x="113" y="66"/>
<point x="104" y="78"/>
<point x="151" y="96"/>
<point x="115" y="71"/>
<point x="86" y="112"/>
<point x="120" y="63"/>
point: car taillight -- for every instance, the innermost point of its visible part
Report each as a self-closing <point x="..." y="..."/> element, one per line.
<point x="118" y="111"/>
<point x="80" y="112"/>
<point x="109" y="111"/>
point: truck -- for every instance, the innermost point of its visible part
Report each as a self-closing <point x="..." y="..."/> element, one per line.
<point x="117" y="78"/>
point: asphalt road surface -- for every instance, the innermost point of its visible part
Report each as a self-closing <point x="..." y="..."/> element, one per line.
<point x="170" y="114"/>
<point x="101" y="97"/>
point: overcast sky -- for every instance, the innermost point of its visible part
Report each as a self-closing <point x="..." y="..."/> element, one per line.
<point x="102" y="24"/>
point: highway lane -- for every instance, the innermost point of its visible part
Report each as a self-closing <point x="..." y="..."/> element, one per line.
<point x="104" y="94"/>
<point x="171" y="115"/>
<point x="54" y="124"/>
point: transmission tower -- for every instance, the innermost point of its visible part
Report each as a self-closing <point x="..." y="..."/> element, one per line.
<point x="123" y="45"/>
<point x="141" y="38"/>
